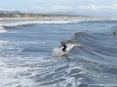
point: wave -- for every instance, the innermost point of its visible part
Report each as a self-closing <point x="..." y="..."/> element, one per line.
<point x="2" y="29"/>
<point x="9" y="48"/>
<point x="39" y="22"/>
<point x="18" y="23"/>
<point x="92" y="65"/>
<point x="100" y="43"/>
<point x="96" y="56"/>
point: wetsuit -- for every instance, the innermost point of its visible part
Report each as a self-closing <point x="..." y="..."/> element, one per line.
<point x="63" y="43"/>
<point x="64" y="48"/>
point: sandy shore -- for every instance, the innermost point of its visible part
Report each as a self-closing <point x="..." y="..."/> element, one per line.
<point x="45" y="18"/>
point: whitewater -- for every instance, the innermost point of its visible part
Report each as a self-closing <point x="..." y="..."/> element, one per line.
<point x="26" y="54"/>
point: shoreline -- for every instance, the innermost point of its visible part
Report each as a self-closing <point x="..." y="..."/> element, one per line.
<point x="45" y="18"/>
<point x="14" y="21"/>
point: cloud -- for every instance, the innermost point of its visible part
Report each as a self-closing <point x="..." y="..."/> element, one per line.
<point x="61" y="8"/>
<point x="98" y="7"/>
<point x="55" y="8"/>
<point x="10" y="9"/>
<point x="114" y="5"/>
<point x="1" y="9"/>
<point x="88" y="7"/>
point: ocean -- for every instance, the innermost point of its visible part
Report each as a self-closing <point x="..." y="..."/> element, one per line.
<point x="26" y="54"/>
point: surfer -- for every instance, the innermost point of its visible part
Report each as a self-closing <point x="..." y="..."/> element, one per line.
<point x="63" y="43"/>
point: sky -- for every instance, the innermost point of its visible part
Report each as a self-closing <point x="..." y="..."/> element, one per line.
<point x="79" y="7"/>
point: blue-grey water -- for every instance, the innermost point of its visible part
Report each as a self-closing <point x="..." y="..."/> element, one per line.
<point x="26" y="55"/>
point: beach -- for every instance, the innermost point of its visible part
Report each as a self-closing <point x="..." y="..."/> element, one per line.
<point x="27" y="19"/>
<point x="11" y="20"/>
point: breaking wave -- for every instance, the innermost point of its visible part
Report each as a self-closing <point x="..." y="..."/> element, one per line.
<point x="2" y="29"/>
<point x="26" y="60"/>
<point x="26" y="22"/>
<point x="97" y="57"/>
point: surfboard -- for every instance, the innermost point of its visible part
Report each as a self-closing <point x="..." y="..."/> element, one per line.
<point x="59" y="52"/>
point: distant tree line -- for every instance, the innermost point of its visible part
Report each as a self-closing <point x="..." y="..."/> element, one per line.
<point x="21" y="14"/>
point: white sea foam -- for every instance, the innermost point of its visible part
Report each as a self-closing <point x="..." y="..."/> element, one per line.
<point x="3" y="43"/>
<point x="38" y="22"/>
<point x="2" y="29"/>
<point x="58" y="51"/>
<point x="14" y="74"/>
<point x="8" y="76"/>
<point x="17" y="22"/>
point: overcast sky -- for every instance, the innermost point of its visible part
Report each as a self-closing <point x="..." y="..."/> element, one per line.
<point x="81" y="7"/>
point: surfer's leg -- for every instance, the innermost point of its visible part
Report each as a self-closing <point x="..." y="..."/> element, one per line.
<point x="64" y="49"/>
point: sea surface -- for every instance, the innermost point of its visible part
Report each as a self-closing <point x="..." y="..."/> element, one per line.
<point x="26" y="54"/>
